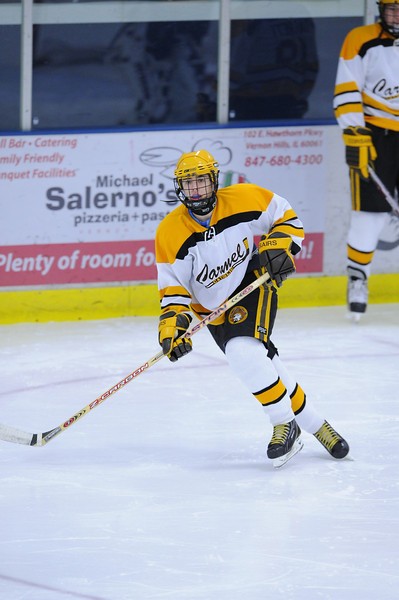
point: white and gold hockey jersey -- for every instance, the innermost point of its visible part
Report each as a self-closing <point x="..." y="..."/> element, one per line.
<point x="200" y="267"/>
<point x="367" y="83"/>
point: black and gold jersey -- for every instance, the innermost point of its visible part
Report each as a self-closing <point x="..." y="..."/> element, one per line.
<point x="367" y="82"/>
<point x="201" y="266"/>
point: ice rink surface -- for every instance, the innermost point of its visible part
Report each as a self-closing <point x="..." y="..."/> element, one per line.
<point x="164" y="490"/>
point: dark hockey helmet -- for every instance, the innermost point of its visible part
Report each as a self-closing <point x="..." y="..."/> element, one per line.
<point x="383" y="6"/>
<point x="197" y="164"/>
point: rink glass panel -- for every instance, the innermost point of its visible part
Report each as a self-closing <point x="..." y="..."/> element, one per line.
<point x="9" y="77"/>
<point x="110" y="75"/>
<point x="161" y="71"/>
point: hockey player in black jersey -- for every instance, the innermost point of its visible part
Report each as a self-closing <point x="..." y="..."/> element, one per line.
<point x="206" y="252"/>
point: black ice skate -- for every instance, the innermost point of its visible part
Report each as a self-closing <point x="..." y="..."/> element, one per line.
<point x="332" y="441"/>
<point x="285" y="443"/>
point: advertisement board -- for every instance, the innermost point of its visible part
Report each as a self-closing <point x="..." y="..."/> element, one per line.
<point x="84" y="208"/>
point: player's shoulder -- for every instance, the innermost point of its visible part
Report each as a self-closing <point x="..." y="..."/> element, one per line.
<point x="246" y="194"/>
<point x="175" y="231"/>
<point x="172" y="219"/>
<point x="244" y="189"/>
<point x="365" y="33"/>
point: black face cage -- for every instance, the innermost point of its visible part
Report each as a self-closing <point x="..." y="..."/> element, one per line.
<point x="389" y="28"/>
<point x="201" y="207"/>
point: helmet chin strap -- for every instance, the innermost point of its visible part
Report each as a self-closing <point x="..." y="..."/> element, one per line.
<point x="206" y="206"/>
<point x="391" y="29"/>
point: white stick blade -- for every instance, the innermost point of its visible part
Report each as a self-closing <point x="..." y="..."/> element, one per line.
<point x="17" y="436"/>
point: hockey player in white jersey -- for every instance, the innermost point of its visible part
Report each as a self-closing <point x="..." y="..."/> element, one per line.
<point x="206" y="253"/>
<point x="366" y="106"/>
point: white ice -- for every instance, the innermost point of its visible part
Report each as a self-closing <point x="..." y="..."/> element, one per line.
<point x="164" y="490"/>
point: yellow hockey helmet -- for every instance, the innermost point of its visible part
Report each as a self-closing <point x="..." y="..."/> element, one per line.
<point x="393" y="29"/>
<point x="193" y="164"/>
<point x="197" y="164"/>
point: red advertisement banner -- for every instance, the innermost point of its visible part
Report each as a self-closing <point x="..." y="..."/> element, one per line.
<point x="98" y="262"/>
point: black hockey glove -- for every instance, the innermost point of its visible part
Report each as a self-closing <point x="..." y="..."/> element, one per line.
<point x="172" y="325"/>
<point x="359" y="149"/>
<point x="275" y="256"/>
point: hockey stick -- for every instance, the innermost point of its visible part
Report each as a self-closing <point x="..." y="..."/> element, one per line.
<point x="17" y="436"/>
<point x="388" y="196"/>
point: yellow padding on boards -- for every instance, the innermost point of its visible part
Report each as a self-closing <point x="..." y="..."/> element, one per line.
<point x="331" y="291"/>
<point x="143" y="300"/>
<point x="78" y="304"/>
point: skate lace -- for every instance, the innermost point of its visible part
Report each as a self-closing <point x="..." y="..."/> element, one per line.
<point x="280" y="434"/>
<point x="327" y="436"/>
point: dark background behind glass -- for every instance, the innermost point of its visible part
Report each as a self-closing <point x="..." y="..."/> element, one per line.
<point x="9" y="76"/>
<point x="112" y="75"/>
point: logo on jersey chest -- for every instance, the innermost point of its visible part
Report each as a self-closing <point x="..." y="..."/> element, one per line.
<point x="208" y="276"/>
<point x="389" y="92"/>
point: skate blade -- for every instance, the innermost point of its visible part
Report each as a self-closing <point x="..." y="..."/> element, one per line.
<point x="354" y="317"/>
<point x="282" y="460"/>
<point x="347" y="457"/>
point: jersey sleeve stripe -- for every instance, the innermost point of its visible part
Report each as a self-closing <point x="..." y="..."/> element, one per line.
<point x="345" y="109"/>
<point x="348" y="86"/>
